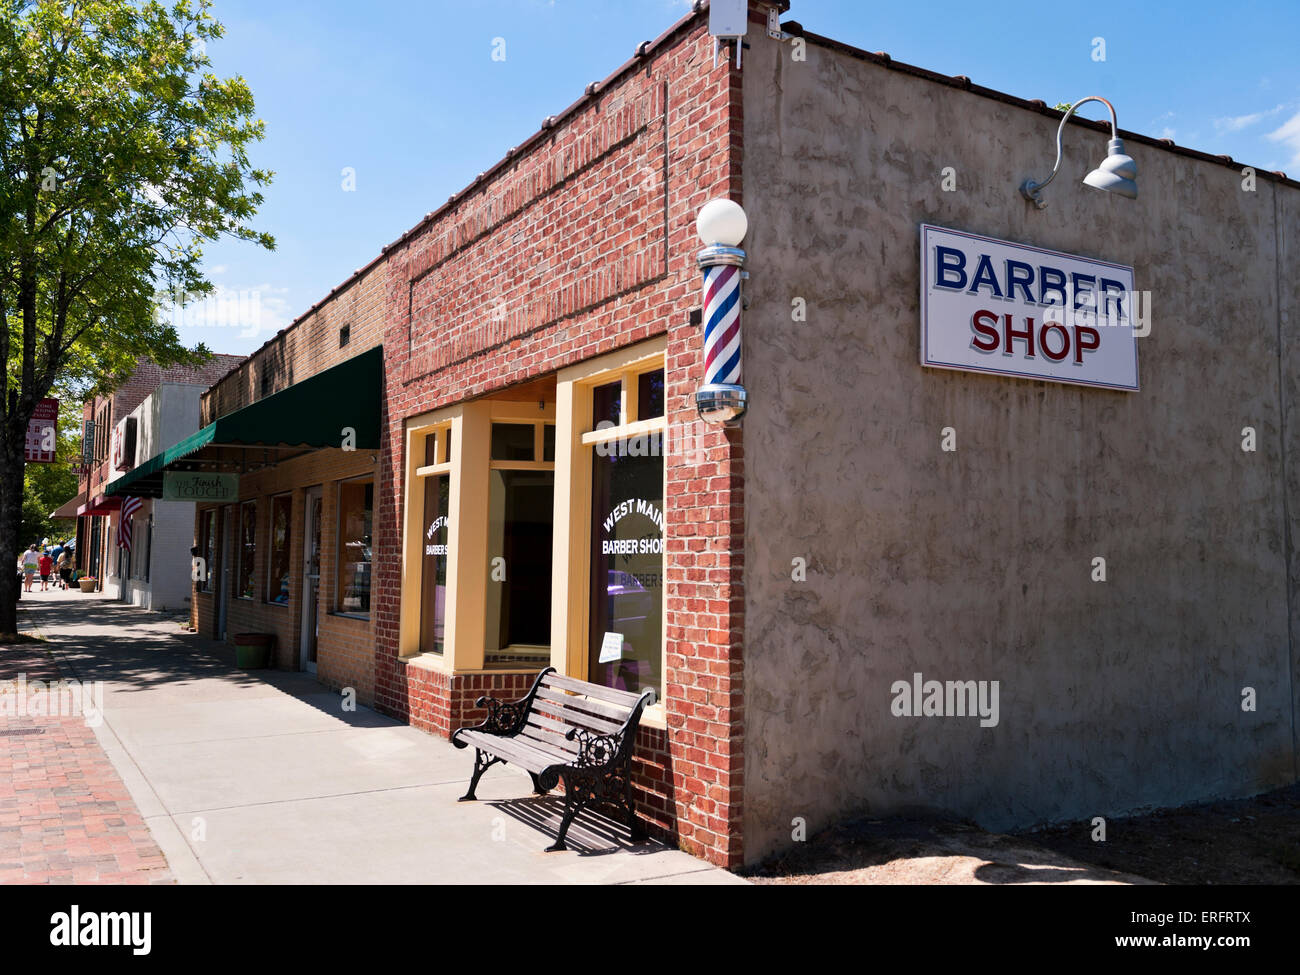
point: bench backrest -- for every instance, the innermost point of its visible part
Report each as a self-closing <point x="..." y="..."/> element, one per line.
<point x="560" y="704"/>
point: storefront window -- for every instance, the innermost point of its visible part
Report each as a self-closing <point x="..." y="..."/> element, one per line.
<point x="247" y="553"/>
<point x="433" y="577"/>
<point x="626" y="637"/>
<point x="356" y="512"/>
<point x="207" y="546"/>
<point x="277" y="576"/>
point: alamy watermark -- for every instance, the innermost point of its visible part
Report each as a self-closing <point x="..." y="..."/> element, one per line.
<point x="23" y="698"/>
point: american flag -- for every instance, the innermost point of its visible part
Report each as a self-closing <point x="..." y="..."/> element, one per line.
<point x="129" y="507"/>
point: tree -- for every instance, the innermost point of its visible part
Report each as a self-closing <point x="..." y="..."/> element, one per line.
<point x="121" y="154"/>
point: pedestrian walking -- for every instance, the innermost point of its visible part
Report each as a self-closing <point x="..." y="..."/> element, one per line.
<point x="31" y="562"/>
<point x="64" y="567"/>
<point x="46" y="566"/>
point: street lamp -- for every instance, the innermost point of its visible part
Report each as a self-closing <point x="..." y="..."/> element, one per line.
<point x="721" y="225"/>
<point x="1116" y="174"/>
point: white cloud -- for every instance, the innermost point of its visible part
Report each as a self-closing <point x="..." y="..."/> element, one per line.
<point x="1288" y="133"/>
<point x="1236" y="123"/>
<point x="1166" y="133"/>
<point x="260" y="310"/>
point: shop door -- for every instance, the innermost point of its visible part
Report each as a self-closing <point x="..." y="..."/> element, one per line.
<point x="310" y="587"/>
<point x="222" y="575"/>
<point x="627" y="596"/>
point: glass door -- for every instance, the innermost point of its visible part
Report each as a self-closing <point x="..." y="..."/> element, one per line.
<point x="310" y="587"/>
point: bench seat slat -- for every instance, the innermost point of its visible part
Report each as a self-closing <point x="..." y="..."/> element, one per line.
<point x="616" y="712"/>
<point x="570" y="716"/>
<point x="601" y="693"/>
<point x="550" y="736"/>
<point x="529" y="756"/>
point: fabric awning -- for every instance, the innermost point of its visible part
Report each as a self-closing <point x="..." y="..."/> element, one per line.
<point x="307" y="416"/>
<point x="69" y="508"/>
<point x="101" y="505"/>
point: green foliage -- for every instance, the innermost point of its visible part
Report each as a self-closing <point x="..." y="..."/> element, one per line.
<point x="121" y="155"/>
<point x="1062" y="106"/>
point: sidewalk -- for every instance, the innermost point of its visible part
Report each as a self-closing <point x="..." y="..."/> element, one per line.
<point x="260" y="777"/>
<point x="65" y="815"/>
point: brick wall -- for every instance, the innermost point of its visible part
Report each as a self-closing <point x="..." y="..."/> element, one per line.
<point x="581" y="242"/>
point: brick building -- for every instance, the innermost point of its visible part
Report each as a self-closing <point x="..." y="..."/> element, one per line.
<point x="542" y="490"/>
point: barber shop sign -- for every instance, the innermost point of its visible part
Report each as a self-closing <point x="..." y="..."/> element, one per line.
<point x="996" y="307"/>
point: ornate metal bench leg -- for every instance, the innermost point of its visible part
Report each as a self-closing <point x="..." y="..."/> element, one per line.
<point x="576" y="796"/>
<point x="481" y="765"/>
<point x="537" y="785"/>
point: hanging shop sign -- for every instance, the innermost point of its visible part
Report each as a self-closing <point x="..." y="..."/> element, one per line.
<point x="184" y="486"/>
<point x="1008" y="309"/>
<point x="42" y="433"/>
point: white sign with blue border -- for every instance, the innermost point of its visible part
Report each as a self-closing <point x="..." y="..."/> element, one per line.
<point x="997" y="307"/>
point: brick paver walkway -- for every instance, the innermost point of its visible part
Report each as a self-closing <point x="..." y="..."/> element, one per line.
<point x="65" y="816"/>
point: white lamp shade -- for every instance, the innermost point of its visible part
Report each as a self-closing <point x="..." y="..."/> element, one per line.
<point x="722" y="222"/>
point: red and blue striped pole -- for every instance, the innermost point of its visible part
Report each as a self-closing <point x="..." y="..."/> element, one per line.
<point x="721" y="225"/>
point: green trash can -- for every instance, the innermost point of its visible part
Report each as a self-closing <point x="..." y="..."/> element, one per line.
<point x="253" y="650"/>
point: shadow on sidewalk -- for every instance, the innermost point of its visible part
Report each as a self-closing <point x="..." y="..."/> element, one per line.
<point x="97" y="638"/>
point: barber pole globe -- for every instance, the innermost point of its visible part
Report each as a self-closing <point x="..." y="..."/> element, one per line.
<point x="721" y="225"/>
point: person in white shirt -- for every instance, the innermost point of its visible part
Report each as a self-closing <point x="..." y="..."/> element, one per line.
<point x="31" y="559"/>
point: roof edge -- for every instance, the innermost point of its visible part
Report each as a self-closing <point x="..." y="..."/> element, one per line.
<point x="1034" y="105"/>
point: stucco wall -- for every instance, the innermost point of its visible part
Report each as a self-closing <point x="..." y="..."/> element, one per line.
<point x="976" y="564"/>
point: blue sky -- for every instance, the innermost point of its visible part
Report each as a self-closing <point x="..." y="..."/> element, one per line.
<point x="408" y="95"/>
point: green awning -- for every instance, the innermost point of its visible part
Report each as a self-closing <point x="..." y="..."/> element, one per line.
<point x="306" y="416"/>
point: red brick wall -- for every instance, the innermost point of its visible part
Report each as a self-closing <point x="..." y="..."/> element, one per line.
<point x="580" y="243"/>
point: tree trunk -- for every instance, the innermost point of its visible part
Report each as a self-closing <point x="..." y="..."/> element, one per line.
<point x="12" y="467"/>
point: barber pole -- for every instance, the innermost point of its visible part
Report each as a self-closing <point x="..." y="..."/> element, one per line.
<point x="721" y="225"/>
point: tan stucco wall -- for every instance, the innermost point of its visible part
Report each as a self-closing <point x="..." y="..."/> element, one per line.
<point x="976" y="564"/>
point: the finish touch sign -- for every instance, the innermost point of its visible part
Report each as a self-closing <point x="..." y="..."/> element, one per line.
<point x="992" y="306"/>
<point x="178" y="486"/>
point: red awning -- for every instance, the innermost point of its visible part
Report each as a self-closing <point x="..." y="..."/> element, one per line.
<point x="100" y="506"/>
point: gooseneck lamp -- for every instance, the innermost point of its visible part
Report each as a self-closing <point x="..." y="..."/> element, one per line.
<point x="1116" y="174"/>
<point x="721" y="225"/>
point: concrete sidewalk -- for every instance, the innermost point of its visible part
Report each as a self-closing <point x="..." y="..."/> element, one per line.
<point x="260" y="777"/>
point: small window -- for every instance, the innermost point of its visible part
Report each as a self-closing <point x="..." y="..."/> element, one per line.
<point x="606" y="404"/>
<point x="548" y="443"/>
<point x="513" y="441"/>
<point x="650" y="395"/>
<point x="345" y="335"/>
<point x="277" y="576"/>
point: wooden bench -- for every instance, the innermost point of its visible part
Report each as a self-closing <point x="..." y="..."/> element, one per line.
<point x="563" y="730"/>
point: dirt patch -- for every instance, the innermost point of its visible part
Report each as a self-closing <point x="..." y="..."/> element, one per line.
<point x="1248" y="841"/>
<point x="1241" y="841"/>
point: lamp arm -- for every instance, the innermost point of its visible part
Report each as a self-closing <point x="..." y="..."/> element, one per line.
<point x="1032" y="189"/>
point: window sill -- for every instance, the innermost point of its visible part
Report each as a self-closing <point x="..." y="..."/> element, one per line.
<point x="363" y="617"/>
<point x="267" y="602"/>
<point x="426" y="661"/>
<point x="655" y="716"/>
